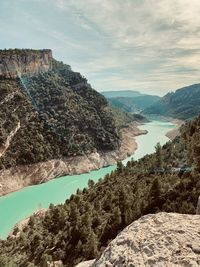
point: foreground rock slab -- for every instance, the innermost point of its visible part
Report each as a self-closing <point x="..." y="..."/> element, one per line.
<point x="160" y="240"/>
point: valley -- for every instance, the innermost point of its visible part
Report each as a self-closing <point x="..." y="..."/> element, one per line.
<point x="81" y="167"/>
<point x="99" y="133"/>
<point x="15" y="178"/>
<point x="30" y="199"/>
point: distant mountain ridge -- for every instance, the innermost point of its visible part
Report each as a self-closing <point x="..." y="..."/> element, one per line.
<point x="184" y="103"/>
<point x="122" y="93"/>
<point x="130" y="101"/>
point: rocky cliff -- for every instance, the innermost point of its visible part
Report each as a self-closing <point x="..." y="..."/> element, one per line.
<point x="16" y="63"/>
<point x="160" y="240"/>
<point x="52" y="122"/>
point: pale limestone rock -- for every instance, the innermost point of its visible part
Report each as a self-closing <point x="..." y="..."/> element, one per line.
<point x="55" y="264"/>
<point x="160" y="240"/>
<point x="18" y="177"/>
<point x="85" y="264"/>
<point x="25" y="62"/>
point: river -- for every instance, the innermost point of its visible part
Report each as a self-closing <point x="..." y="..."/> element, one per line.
<point x="21" y="204"/>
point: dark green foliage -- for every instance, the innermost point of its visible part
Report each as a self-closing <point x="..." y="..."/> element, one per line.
<point x="60" y="115"/>
<point x="123" y="118"/>
<point x="159" y="157"/>
<point x="192" y="136"/>
<point x="79" y="229"/>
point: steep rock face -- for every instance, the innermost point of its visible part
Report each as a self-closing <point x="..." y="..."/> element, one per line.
<point x="160" y="240"/>
<point x="16" y="63"/>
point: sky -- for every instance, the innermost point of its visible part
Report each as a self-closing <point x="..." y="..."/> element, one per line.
<point x="152" y="46"/>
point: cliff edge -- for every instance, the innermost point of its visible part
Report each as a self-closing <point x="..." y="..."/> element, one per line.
<point x="19" y="62"/>
<point x="160" y="240"/>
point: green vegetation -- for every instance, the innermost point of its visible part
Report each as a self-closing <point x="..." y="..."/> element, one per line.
<point x="123" y="118"/>
<point x="60" y="115"/>
<point x="183" y="104"/>
<point x="168" y="180"/>
<point x="19" y="52"/>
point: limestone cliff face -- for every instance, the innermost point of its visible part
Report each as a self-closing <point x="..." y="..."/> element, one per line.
<point x="160" y="240"/>
<point x="16" y="63"/>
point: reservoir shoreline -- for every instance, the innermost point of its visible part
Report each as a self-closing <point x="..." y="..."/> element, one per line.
<point x="19" y="177"/>
<point x="176" y="131"/>
<point x="21" y="204"/>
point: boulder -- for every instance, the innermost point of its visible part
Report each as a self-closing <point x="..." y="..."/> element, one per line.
<point x="160" y="240"/>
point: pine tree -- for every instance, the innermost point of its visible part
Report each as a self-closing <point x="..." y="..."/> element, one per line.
<point x="159" y="157"/>
<point x="91" y="247"/>
<point x="120" y="167"/>
<point x="155" y="190"/>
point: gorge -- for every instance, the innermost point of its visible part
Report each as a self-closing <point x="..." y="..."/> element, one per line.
<point x="30" y="199"/>
<point x="55" y="125"/>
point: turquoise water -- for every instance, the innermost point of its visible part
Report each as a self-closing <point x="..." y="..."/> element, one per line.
<point x="21" y="204"/>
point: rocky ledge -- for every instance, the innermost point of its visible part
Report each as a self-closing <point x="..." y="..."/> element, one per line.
<point x="18" y="177"/>
<point x="160" y="240"/>
<point x="16" y="62"/>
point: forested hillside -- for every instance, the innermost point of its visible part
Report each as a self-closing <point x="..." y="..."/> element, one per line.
<point x="181" y="104"/>
<point x="167" y="180"/>
<point x="130" y="101"/>
<point x="123" y="118"/>
<point x="48" y="111"/>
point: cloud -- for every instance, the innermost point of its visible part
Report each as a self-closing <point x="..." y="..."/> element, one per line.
<point x="118" y="44"/>
<point x="154" y="45"/>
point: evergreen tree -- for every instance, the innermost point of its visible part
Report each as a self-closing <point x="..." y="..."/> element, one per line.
<point x="120" y="167"/>
<point x="159" y="157"/>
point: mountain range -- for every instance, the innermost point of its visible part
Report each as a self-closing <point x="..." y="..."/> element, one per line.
<point x="130" y="101"/>
<point x="121" y="93"/>
<point x="184" y="103"/>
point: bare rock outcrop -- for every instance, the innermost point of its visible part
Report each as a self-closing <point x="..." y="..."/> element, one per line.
<point x="160" y="240"/>
<point x="16" y="63"/>
<point x="85" y="264"/>
<point x="55" y="264"/>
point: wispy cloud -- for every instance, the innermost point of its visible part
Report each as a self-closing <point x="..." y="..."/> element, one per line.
<point x="118" y="44"/>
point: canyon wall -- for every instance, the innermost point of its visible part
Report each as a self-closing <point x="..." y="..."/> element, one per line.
<point x="16" y="63"/>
